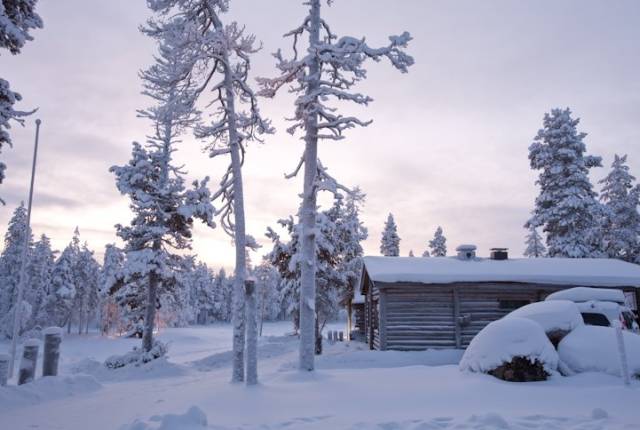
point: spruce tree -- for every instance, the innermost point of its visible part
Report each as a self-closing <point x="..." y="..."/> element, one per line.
<point x="10" y="263"/>
<point x="566" y="208"/>
<point x="438" y="244"/>
<point x="390" y="242"/>
<point x="534" y="246"/>
<point x="111" y="276"/>
<point x="164" y="209"/>
<point x="621" y="225"/>
<point x="40" y="275"/>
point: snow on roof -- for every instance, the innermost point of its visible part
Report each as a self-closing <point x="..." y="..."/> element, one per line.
<point x="593" y="272"/>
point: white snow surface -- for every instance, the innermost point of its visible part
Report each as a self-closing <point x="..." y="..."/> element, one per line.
<point x="402" y="391"/>
<point x="595" y="272"/>
<point x="595" y="349"/>
<point x="586" y="294"/>
<point x="553" y="315"/>
<point x="502" y="340"/>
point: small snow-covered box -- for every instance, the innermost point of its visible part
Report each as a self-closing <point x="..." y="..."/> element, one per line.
<point x="443" y="302"/>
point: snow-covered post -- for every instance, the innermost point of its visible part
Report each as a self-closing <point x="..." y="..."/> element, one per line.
<point x="29" y="361"/>
<point x="23" y="264"/>
<point x="4" y="369"/>
<point x="622" y="352"/>
<point x="51" y="354"/>
<point x="252" y="331"/>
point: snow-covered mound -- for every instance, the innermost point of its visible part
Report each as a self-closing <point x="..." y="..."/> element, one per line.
<point x="503" y="340"/>
<point x="585" y="294"/>
<point x="45" y="389"/>
<point x="193" y="419"/>
<point x="556" y="315"/>
<point x="595" y="349"/>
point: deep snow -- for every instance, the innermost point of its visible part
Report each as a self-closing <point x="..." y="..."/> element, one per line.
<point x="353" y="388"/>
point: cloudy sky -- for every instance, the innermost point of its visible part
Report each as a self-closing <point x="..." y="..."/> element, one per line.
<point x="448" y="145"/>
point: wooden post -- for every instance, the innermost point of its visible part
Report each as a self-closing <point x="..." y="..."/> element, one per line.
<point x="456" y="318"/>
<point x="370" y="317"/>
<point x="51" y="354"/>
<point x="252" y="332"/>
<point x="341" y="337"/>
<point x="349" y="310"/>
<point x="29" y="361"/>
<point x="4" y="369"/>
<point x="382" y="320"/>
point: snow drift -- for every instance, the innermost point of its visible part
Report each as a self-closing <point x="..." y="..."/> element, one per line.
<point x="595" y="349"/>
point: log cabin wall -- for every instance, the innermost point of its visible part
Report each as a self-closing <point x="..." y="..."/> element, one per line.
<point x="406" y="316"/>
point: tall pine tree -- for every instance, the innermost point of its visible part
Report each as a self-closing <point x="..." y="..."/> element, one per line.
<point x="566" y="208"/>
<point x="164" y="209"/>
<point x="320" y="73"/>
<point x="10" y="262"/>
<point x="534" y="246"/>
<point x="438" y="244"/>
<point x="390" y="241"/>
<point x="621" y="225"/>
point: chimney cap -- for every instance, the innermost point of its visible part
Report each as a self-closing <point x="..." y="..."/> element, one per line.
<point x="466" y="247"/>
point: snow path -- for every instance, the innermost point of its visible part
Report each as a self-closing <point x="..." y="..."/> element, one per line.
<point x="352" y="389"/>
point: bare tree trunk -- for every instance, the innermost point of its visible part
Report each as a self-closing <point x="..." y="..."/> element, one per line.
<point x="150" y="317"/>
<point x="262" y="306"/>
<point x="308" y="210"/>
<point x="238" y="311"/>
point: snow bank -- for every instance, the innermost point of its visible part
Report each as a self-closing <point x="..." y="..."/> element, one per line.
<point x="45" y="389"/>
<point x="595" y="272"/>
<point x="193" y="419"/>
<point x="585" y="294"/>
<point x="595" y="349"/>
<point x="557" y="315"/>
<point x="507" y="338"/>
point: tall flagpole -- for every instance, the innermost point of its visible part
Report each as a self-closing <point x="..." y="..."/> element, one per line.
<point x="23" y="264"/>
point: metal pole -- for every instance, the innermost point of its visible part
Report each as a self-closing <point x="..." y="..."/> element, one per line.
<point x="23" y="264"/>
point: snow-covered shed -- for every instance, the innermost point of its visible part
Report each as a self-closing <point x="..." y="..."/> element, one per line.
<point x="443" y="302"/>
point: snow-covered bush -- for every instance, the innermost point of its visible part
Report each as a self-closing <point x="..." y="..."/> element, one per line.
<point x="557" y="317"/>
<point x="137" y="357"/>
<point x="595" y="349"/>
<point x="504" y="347"/>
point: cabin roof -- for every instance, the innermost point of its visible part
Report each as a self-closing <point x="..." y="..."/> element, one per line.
<point x="592" y="272"/>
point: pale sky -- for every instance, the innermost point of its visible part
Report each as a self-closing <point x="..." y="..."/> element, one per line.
<point x="449" y="141"/>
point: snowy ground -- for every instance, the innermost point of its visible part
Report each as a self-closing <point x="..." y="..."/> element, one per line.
<point x="353" y="388"/>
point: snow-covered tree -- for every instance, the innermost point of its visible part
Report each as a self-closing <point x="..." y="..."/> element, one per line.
<point x="350" y="233"/>
<point x="438" y="244"/>
<point x="534" y="246"/>
<point x="426" y="254"/>
<point x="566" y="208"/>
<point x="621" y="225"/>
<point x="40" y="275"/>
<point x="10" y="262"/>
<point x="390" y="242"/>
<point x="324" y="71"/>
<point x="111" y="275"/>
<point x="87" y="273"/>
<point x="60" y="301"/>
<point x="268" y="284"/>
<point x="411" y="253"/>
<point x="17" y="19"/>
<point x="217" y="59"/>
<point x="164" y="209"/>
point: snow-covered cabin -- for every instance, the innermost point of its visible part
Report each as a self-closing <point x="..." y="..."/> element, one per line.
<point x="443" y="302"/>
